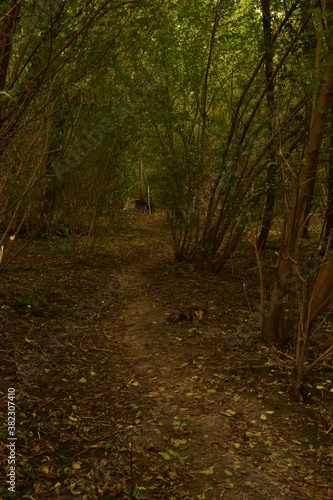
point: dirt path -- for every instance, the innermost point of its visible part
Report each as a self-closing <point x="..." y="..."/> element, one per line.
<point x="157" y="388"/>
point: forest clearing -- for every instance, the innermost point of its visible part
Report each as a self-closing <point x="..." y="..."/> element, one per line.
<point x="166" y="249"/>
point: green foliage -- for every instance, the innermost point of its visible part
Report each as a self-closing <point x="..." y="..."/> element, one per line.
<point x="167" y="455"/>
<point x="91" y="89"/>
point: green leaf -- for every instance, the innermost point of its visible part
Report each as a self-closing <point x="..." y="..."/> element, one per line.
<point x="230" y="485"/>
<point x="207" y="472"/>
<point x="164" y="455"/>
<point x="231" y="412"/>
<point x="45" y="469"/>
<point x="72" y="486"/>
<point x="136" y="492"/>
<point x="175" y="454"/>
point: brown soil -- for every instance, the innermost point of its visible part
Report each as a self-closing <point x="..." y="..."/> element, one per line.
<point x="138" y="377"/>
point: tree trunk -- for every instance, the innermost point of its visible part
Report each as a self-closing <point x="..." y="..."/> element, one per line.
<point x="7" y="31"/>
<point x="313" y="115"/>
<point x="142" y="197"/>
<point x="286" y="268"/>
<point x="269" y="49"/>
<point x="329" y="212"/>
<point x="267" y="218"/>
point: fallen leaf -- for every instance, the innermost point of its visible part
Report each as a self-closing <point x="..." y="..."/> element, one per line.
<point x="231" y="412"/>
<point x="72" y="486"/>
<point x="45" y="469"/>
<point x="152" y="394"/>
<point x="229" y="485"/>
<point x="207" y="472"/>
<point x="176" y="455"/>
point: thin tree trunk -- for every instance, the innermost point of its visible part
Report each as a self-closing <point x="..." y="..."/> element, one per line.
<point x="329" y="212"/>
<point x="200" y="171"/>
<point x="313" y="115"/>
<point x="269" y="49"/>
<point x="267" y="217"/>
<point x="142" y="198"/>
<point x="6" y="38"/>
<point x="286" y="267"/>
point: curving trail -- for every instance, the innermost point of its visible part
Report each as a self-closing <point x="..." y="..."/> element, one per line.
<point x="187" y="387"/>
<point x="157" y="387"/>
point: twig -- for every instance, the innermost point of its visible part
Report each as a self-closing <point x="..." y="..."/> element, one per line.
<point x="261" y="279"/>
<point x="283" y="353"/>
<point x="109" y="338"/>
<point x="103" y="350"/>
<point x="84" y="337"/>
<point x="329" y="430"/>
<point x="324" y="355"/>
<point x="247" y="298"/>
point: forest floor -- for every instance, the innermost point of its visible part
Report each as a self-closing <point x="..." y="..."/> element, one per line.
<point x="138" y="377"/>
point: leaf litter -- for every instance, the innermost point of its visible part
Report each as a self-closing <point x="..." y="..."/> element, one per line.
<point x="151" y="388"/>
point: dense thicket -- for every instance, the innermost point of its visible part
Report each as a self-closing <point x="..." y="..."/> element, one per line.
<point x="225" y="106"/>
